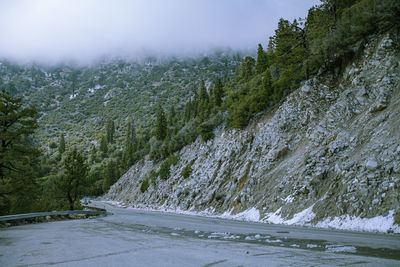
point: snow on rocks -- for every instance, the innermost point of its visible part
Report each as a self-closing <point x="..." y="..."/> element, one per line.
<point x="355" y="223"/>
<point x="302" y="218"/>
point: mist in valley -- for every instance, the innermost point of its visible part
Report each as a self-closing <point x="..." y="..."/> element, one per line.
<point x="82" y="32"/>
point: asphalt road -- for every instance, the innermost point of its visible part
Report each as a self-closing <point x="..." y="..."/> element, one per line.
<point x="141" y="238"/>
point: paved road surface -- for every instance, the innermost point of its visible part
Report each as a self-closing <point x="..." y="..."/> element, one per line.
<point x="139" y="238"/>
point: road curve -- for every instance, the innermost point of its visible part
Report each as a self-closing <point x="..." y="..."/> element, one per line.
<point x="141" y="238"/>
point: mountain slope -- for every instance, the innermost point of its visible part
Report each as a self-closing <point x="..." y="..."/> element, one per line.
<point x="78" y="100"/>
<point x="328" y="156"/>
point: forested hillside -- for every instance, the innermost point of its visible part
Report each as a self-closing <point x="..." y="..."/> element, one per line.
<point x="111" y="115"/>
<point x="105" y="111"/>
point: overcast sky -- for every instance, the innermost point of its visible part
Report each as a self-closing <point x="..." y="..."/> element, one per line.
<point x="83" y="30"/>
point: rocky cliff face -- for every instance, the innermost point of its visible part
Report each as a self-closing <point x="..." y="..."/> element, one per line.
<point x="329" y="156"/>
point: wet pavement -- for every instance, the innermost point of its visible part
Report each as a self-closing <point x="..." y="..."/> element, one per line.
<point x="143" y="238"/>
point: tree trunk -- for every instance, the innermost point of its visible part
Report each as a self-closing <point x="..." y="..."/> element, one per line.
<point x="71" y="202"/>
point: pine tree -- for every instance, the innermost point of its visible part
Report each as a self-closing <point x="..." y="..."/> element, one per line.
<point x="110" y="130"/>
<point x="301" y="35"/>
<point x="171" y="116"/>
<point x="188" y="111"/>
<point x="287" y="56"/>
<point x="130" y="136"/>
<point x="61" y="144"/>
<point x="203" y="109"/>
<point x="110" y="174"/>
<point x="267" y="85"/>
<point x="195" y="104"/>
<point x="248" y="64"/>
<point x="103" y="145"/>
<point x="131" y="143"/>
<point x="203" y="92"/>
<point x="73" y="181"/>
<point x="211" y="97"/>
<point x="171" y="123"/>
<point x="218" y="93"/>
<point x="74" y="81"/>
<point x="17" y="154"/>
<point x="336" y="7"/>
<point x="161" y="124"/>
<point x="261" y="63"/>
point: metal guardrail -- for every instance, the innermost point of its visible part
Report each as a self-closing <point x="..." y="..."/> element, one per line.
<point x="94" y="208"/>
<point x="51" y="213"/>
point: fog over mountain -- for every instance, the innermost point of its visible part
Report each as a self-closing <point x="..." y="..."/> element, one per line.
<point x="49" y="31"/>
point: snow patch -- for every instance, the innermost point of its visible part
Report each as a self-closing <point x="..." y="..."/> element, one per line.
<point x="274" y="217"/>
<point x="227" y="214"/>
<point x="340" y="249"/>
<point x="250" y="215"/>
<point x="273" y="240"/>
<point x="301" y="218"/>
<point x="222" y="235"/>
<point x="375" y="224"/>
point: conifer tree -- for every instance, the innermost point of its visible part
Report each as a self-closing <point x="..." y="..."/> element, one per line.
<point x="161" y="124"/>
<point x="110" y="130"/>
<point x="17" y="154"/>
<point x="61" y="144"/>
<point x="72" y="182"/>
<point x="188" y="111"/>
<point x="336" y="7"/>
<point x="261" y="63"/>
<point x="171" y="123"/>
<point x="130" y="137"/>
<point x="287" y="55"/>
<point x="248" y="64"/>
<point x="301" y="38"/>
<point x="131" y="143"/>
<point x="74" y="81"/>
<point x="195" y="104"/>
<point x="211" y="97"/>
<point x="203" y="109"/>
<point x="103" y="145"/>
<point x="110" y="174"/>
<point x="203" y="92"/>
<point x="171" y="116"/>
<point x="218" y="93"/>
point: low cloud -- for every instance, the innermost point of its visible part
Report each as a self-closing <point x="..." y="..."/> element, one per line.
<point x="83" y="30"/>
